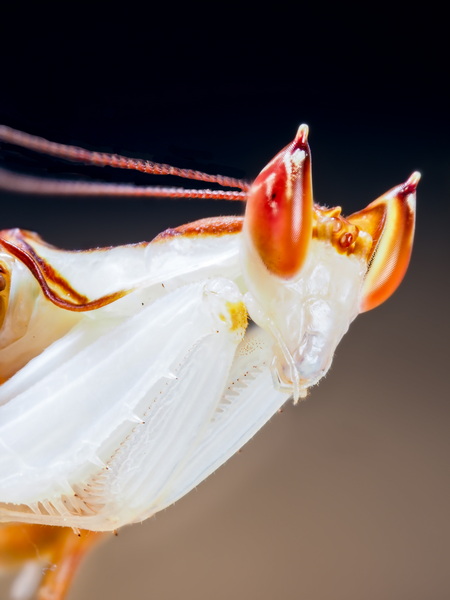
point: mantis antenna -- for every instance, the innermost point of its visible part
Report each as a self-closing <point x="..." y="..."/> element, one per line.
<point x="24" y="183"/>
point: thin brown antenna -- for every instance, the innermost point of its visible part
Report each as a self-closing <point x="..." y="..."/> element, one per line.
<point x="27" y="184"/>
<point x="103" y="159"/>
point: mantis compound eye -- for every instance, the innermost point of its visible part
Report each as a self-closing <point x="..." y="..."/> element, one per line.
<point x="390" y="221"/>
<point x="280" y="209"/>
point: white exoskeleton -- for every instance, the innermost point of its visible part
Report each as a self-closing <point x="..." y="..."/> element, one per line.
<point x="129" y="374"/>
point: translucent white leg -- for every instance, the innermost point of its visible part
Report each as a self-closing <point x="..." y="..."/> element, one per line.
<point x="133" y="396"/>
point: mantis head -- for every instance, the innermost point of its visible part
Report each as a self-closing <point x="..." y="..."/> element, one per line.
<point x="310" y="271"/>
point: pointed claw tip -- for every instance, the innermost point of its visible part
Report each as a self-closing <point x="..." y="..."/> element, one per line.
<point x="302" y="134"/>
<point x="411" y="183"/>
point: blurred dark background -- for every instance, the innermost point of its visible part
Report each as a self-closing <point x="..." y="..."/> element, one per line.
<point x="345" y="496"/>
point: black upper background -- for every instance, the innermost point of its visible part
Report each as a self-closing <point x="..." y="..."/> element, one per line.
<point x="223" y="90"/>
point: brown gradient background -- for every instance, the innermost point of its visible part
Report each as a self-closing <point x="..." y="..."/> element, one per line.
<point x="346" y="496"/>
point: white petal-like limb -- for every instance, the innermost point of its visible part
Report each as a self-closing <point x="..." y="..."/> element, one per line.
<point x="108" y="413"/>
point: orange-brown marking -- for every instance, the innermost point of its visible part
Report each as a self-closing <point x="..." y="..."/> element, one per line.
<point x="211" y="226"/>
<point x="5" y="282"/>
<point x="53" y="285"/>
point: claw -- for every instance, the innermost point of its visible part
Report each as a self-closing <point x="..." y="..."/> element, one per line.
<point x="390" y="220"/>
<point x="279" y="211"/>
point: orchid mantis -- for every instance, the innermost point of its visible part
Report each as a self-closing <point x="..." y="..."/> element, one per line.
<point x="130" y="374"/>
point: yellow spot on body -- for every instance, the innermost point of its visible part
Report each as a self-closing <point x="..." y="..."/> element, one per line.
<point x="237" y="315"/>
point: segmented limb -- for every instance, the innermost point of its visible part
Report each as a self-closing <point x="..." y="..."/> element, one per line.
<point x="54" y="551"/>
<point x="66" y="557"/>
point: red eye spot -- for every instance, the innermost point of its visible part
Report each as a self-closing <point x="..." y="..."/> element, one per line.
<point x="346" y="240"/>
